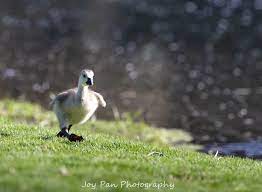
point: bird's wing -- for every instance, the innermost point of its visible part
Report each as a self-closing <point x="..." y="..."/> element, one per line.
<point x="100" y="99"/>
<point x="62" y="97"/>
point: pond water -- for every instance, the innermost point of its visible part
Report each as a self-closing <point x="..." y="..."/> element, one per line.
<point x="252" y="149"/>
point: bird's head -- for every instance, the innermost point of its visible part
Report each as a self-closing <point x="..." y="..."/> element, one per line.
<point x="86" y="77"/>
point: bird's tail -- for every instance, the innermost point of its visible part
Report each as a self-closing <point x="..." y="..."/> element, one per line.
<point x="52" y="97"/>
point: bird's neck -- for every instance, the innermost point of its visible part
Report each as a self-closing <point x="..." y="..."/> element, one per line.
<point x="81" y="89"/>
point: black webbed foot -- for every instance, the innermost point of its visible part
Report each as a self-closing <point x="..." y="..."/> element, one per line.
<point x="71" y="137"/>
<point x="75" y="138"/>
<point x="61" y="134"/>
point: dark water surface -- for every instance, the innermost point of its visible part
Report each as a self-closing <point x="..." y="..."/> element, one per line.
<point x="252" y="149"/>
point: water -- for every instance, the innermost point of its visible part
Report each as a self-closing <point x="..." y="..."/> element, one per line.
<point x="251" y="149"/>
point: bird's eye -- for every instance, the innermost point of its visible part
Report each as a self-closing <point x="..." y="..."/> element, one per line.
<point x="84" y="75"/>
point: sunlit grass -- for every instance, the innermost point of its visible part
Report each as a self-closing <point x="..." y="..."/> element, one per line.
<point x="32" y="158"/>
<point x="33" y="114"/>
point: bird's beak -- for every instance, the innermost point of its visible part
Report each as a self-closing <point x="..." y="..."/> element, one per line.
<point x="90" y="81"/>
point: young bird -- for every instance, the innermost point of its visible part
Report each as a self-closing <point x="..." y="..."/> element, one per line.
<point x="76" y="106"/>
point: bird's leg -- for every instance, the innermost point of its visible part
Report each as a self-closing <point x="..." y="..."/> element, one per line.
<point x="69" y="127"/>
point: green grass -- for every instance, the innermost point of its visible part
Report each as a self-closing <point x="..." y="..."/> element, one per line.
<point x="33" y="159"/>
<point x="32" y="114"/>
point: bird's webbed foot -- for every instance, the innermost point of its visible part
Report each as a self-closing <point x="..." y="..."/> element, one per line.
<point x="71" y="137"/>
<point x="74" y="138"/>
<point x="62" y="133"/>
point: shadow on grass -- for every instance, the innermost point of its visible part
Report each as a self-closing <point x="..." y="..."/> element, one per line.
<point x="2" y="134"/>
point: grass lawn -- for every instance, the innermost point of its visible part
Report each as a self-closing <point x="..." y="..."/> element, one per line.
<point x="33" y="159"/>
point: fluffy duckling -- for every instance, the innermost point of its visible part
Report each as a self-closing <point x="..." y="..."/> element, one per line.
<point x="76" y="106"/>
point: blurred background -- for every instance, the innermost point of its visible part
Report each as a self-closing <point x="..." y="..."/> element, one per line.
<point x="192" y="65"/>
